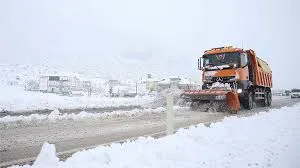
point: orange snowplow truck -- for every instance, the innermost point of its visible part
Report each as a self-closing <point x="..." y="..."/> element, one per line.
<point x="231" y="77"/>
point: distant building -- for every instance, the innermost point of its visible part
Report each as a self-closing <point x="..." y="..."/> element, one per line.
<point x="111" y="85"/>
<point x="151" y="83"/>
<point x="63" y="84"/>
<point x="124" y="90"/>
<point x="113" y="82"/>
<point x="32" y="85"/>
<point x="54" y="84"/>
<point x="164" y="84"/>
<point x="187" y="84"/>
<point x="176" y="82"/>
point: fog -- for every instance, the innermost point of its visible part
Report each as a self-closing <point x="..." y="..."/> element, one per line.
<point x="132" y="38"/>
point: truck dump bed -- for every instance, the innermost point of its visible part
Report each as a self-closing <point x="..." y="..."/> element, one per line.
<point x="263" y="73"/>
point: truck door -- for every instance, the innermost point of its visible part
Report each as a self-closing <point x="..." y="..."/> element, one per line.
<point x="250" y="68"/>
<point x="245" y="68"/>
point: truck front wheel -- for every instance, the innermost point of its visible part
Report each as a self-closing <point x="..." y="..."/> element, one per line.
<point x="248" y="100"/>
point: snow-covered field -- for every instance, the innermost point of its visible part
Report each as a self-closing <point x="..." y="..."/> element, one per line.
<point x="264" y="140"/>
<point x="14" y="98"/>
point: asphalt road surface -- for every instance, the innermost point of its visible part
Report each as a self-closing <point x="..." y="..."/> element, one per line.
<point x="20" y="142"/>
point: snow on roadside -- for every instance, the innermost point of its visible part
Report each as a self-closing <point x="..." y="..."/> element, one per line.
<point x="47" y="156"/>
<point x="17" y="99"/>
<point x="56" y="115"/>
<point x="264" y="140"/>
<point x="275" y="97"/>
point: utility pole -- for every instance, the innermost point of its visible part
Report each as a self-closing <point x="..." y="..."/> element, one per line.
<point x="136" y="88"/>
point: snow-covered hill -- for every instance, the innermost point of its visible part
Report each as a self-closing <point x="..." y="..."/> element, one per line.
<point x="18" y="74"/>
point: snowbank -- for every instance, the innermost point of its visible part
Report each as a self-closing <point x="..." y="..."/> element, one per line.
<point x="56" y="115"/>
<point x="264" y="140"/>
<point x="16" y="99"/>
<point x="47" y="156"/>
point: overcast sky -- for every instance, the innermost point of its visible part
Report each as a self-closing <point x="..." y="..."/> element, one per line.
<point x="135" y="37"/>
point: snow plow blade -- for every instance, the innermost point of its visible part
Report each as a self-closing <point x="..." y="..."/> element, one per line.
<point x="233" y="101"/>
<point x="228" y="98"/>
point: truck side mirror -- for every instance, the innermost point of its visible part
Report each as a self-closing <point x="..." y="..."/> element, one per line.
<point x="244" y="60"/>
<point x="199" y="64"/>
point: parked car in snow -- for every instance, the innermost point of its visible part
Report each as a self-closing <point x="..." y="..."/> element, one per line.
<point x="295" y="93"/>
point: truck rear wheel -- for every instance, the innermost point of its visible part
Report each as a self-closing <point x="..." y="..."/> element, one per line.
<point x="269" y="99"/>
<point x="194" y="105"/>
<point x="263" y="102"/>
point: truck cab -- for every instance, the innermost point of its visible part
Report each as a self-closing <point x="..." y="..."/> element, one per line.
<point x="226" y="65"/>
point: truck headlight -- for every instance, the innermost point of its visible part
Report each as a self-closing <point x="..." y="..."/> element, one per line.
<point x="207" y="78"/>
<point x="239" y="91"/>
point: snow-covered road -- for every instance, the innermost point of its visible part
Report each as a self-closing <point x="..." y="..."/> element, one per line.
<point x="24" y="141"/>
<point x="263" y="140"/>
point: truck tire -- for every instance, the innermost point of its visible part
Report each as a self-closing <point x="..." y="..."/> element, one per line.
<point x="263" y="102"/>
<point x="269" y="99"/>
<point x="193" y="106"/>
<point x="248" y="102"/>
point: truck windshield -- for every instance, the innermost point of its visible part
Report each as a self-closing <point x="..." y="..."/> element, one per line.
<point x="221" y="61"/>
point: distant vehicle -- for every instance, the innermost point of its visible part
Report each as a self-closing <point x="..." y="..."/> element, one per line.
<point x="295" y="93"/>
<point x="286" y="93"/>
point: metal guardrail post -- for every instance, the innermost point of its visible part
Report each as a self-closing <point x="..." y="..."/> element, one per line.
<point x="170" y="115"/>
